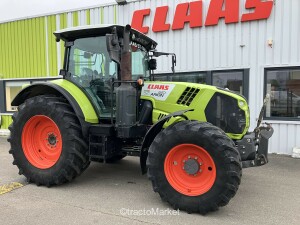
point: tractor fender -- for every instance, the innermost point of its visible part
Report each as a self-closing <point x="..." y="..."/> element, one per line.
<point x="152" y="132"/>
<point x="83" y="112"/>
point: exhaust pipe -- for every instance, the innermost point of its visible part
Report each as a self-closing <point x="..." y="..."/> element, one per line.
<point x="126" y="94"/>
<point x="126" y="67"/>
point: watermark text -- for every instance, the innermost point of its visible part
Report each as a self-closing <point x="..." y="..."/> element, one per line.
<point x="149" y="212"/>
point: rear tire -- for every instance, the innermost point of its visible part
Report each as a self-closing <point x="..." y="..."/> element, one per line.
<point x="46" y="141"/>
<point x="194" y="166"/>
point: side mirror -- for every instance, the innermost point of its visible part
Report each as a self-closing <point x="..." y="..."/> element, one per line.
<point x="113" y="47"/>
<point x="152" y="64"/>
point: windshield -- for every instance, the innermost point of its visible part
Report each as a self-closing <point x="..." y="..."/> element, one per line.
<point x="92" y="69"/>
<point x="89" y="60"/>
<point x="139" y="62"/>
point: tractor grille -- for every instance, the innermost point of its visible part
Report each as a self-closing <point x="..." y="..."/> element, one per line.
<point x="223" y="111"/>
<point x="188" y="96"/>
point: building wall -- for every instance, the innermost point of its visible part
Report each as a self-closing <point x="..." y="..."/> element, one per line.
<point x="224" y="46"/>
<point x="28" y="46"/>
<point x="6" y="121"/>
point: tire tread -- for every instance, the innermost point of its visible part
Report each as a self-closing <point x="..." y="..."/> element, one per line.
<point x="76" y="161"/>
<point x="231" y="165"/>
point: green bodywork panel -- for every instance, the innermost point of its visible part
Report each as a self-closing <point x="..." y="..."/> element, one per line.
<point x="165" y="98"/>
<point x="87" y="108"/>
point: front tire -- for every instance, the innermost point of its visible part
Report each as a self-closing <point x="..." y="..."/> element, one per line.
<point x="194" y="166"/>
<point x="46" y="141"/>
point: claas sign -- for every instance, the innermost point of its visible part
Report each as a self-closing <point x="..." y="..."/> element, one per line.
<point x="192" y="13"/>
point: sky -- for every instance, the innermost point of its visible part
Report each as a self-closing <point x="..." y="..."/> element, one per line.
<point x="14" y="9"/>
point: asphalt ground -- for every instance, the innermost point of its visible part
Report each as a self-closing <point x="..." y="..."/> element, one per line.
<point x="119" y="194"/>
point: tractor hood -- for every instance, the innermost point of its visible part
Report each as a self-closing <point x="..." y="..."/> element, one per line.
<point x="222" y="108"/>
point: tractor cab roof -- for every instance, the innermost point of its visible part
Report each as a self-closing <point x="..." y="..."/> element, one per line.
<point x="71" y="34"/>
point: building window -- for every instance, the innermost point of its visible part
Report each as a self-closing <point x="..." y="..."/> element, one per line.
<point x="198" y="77"/>
<point x="283" y="84"/>
<point x="12" y="88"/>
<point x="234" y="80"/>
<point x="193" y="77"/>
<point x="161" y="77"/>
<point x="9" y="88"/>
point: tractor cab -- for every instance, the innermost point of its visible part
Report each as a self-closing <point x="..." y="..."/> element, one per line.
<point x="93" y="64"/>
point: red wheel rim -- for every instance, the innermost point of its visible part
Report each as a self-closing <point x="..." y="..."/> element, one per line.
<point x="41" y="142"/>
<point x="190" y="169"/>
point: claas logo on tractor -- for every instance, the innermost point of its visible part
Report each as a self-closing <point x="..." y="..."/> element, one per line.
<point x="192" y="139"/>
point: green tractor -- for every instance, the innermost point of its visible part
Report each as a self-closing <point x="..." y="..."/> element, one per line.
<point x="192" y="139"/>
